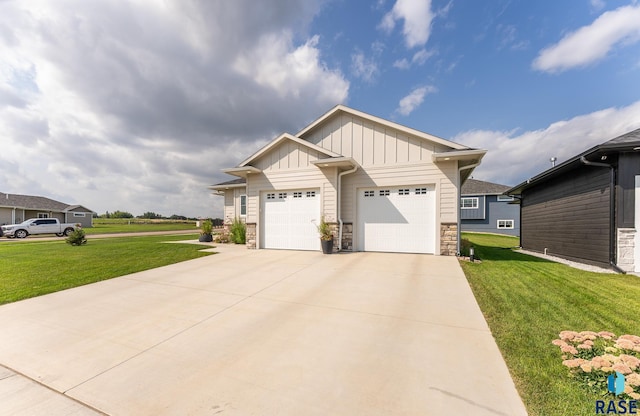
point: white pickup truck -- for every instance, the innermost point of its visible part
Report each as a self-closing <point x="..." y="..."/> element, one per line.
<point x="38" y="226"/>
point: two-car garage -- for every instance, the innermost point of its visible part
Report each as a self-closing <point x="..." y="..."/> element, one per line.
<point x="389" y="219"/>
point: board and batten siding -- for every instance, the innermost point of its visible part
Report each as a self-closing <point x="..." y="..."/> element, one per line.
<point x="371" y="144"/>
<point x="287" y="155"/>
<point x="569" y="215"/>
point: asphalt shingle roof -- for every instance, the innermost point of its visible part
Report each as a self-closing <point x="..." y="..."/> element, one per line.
<point x="238" y="181"/>
<point x="476" y="187"/>
<point x="33" y="202"/>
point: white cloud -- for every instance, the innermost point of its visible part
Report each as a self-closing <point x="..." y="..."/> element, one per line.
<point x="363" y="67"/>
<point x="597" y="4"/>
<point x="417" y="16"/>
<point x="514" y="156"/>
<point x="419" y="58"/>
<point x="591" y="43"/>
<point x="414" y="99"/>
<point x="139" y="107"/>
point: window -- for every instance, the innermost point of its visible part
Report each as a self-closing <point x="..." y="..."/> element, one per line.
<point x="43" y="215"/>
<point x="297" y="194"/>
<point x="369" y="193"/>
<point x="403" y="192"/>
<point x="282" y="195"/>
<point x="469" y="203"/>
<point x="505" y="198"/>
<point x="420" y="191"/>
<point x="384" y="192"/>
<point x="243" y="205"/>
<point x="505" y="224"/>
<point x="271" y="196"/>
<point x="78" y="214"/>
<point x="311" y="194"/>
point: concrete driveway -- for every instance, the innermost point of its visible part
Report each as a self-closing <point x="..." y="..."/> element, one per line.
<point x="265" y="332"/>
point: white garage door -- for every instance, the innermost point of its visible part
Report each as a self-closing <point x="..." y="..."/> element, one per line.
<point x="289" y="219"/>
<point x="397" y="219"/>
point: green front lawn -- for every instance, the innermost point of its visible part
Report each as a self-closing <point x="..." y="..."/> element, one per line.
<point x="527" y="301"/>
<point x="36" y="268"/>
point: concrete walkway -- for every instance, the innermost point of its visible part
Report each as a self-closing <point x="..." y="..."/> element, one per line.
<point x="264" y="332"/>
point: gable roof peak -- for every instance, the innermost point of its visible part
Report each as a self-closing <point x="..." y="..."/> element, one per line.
<point x="408" y="130"/>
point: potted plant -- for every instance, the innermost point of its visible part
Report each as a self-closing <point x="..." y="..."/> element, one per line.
<point x="206" y="232"/>
<point x="326" y="236"/>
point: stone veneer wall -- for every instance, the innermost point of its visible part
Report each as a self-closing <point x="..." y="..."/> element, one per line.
<point x="347" y="236"/>
<point x="251" y="235"/>
<point x="626" y="249"/>
<point x="448" y="239"/>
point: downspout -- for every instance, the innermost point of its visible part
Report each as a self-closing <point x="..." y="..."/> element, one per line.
<point x="340" y="175"/>
<point x="459" y="232"/>
<point x="612" y="210"/>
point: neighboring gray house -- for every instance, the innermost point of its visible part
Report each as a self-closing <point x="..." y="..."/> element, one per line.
<point x="483" y="208"/>
<point x="587" y="208"/>
<point x="17" y="208"/>
<point x="381" y="186"/>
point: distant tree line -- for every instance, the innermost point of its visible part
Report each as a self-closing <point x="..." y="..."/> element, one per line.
<point x="154" y="216"/>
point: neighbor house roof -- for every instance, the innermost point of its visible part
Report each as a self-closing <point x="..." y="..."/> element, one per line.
<point x="476" y="187"/>
<point x="35" y="203"/>
<point x="628" y="142"/>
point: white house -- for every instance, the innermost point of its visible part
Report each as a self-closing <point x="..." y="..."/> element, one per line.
<point x="382" y="187"/>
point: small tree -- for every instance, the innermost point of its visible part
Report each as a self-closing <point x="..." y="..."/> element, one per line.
<point x="238" y="232"/>
<point x="77" y="238"/>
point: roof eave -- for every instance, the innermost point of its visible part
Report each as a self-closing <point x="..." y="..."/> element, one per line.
<point x="242" y="172"/>
<point x="227" y="186"/>
<point x="336" y="162"/>
<point x="459" y="155"/>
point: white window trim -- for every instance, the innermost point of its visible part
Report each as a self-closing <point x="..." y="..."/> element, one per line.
<point x="506" y="226"/>
<point x="505" y="198"/>
<point x="43" y="215"/>
<point x="476" y="203"/>
<point x="79" y="214"/>
<point x="245" y="205"/>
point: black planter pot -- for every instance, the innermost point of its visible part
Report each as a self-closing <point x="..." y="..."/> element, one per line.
<point x="327" y="246"/>
<point x="205" y="238"/>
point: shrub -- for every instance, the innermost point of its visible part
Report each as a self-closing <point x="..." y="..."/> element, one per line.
<point x="465" y="246"/>
<point x="77" y="238"/>
<point x="238" y="232"/>
<point x="592" y="356"/>
<point x="324" y="229"/>
<point x="207" y="227"/>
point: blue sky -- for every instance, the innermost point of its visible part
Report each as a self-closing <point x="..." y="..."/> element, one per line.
<point x="137" y="105"/>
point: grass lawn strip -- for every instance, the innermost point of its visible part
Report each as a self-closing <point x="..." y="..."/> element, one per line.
<point x="528" y="301"/>
<point x="36" y="268"/>
<point x="111" y="226"/>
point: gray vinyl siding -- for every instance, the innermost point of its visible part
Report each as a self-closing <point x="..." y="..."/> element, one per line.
<point x="474" y="213"/>
<point x="5" y="216"/>
<point x="493" y="211"/>
<point x="569" y="215"/>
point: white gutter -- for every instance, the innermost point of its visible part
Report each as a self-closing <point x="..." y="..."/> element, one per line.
<point x="459" y="231"/>
<point x="340" y="175"/>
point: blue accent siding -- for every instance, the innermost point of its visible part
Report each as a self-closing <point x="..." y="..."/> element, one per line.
<point x="494" y="210"/>
<point x="474" y="213"/>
